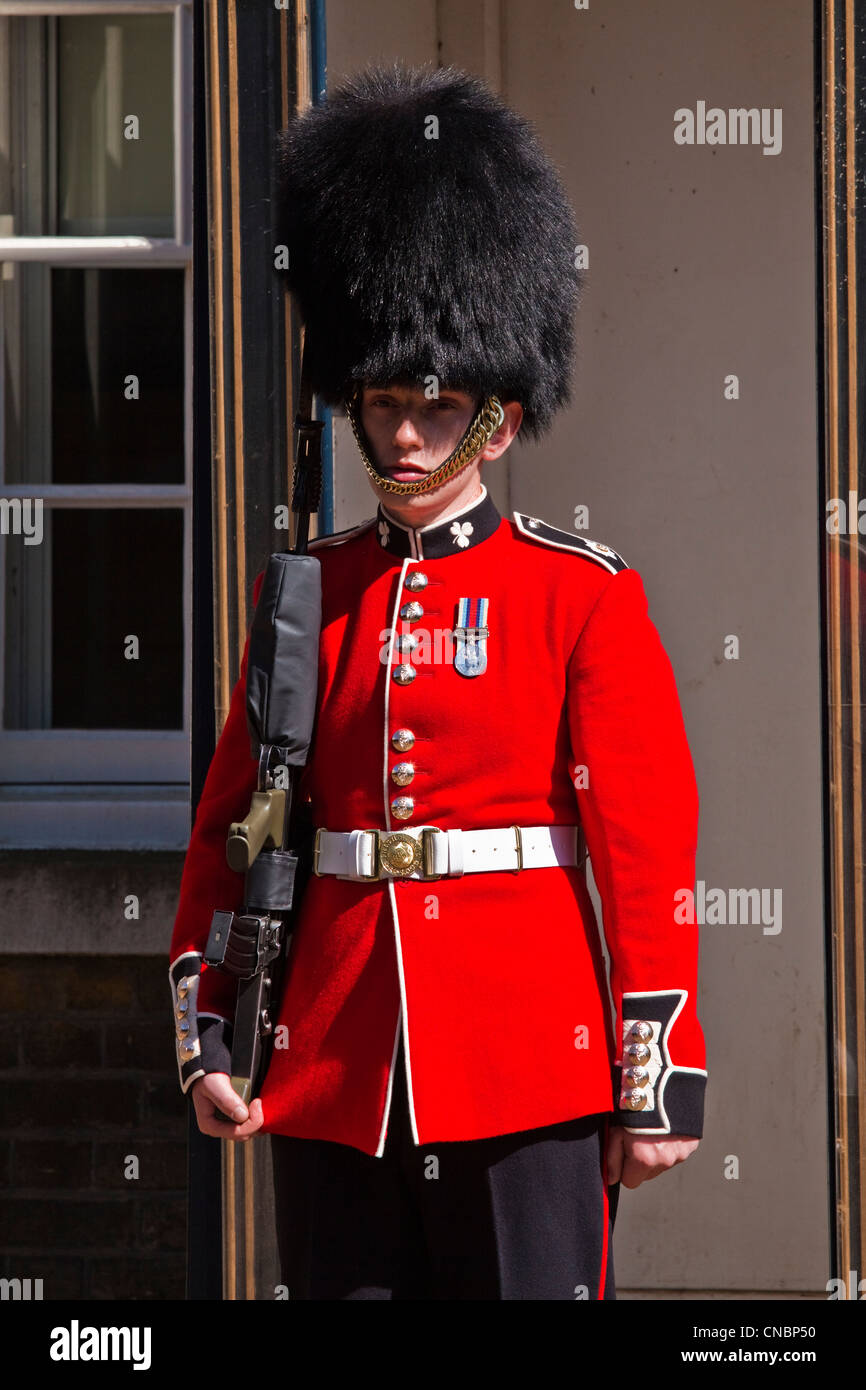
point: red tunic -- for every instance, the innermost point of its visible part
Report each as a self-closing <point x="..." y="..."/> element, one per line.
<point x="497" y="979"/>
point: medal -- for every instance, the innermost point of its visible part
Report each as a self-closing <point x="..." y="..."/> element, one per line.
<point x="471" y="633"/>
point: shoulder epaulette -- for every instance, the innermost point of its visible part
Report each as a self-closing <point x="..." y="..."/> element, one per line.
<point x="338" y="537"/>
<point x="537" y="530"/>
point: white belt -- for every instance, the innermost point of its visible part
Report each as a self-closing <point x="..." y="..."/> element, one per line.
<point x="427" y="851"/>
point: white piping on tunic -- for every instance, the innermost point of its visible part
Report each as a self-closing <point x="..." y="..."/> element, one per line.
<point x="183" y="955"/>
<point x="401" y="1017"/>
<point x="380" y="1149"/>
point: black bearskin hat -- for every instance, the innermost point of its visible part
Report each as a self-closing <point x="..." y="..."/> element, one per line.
<point x="413" y="256"/>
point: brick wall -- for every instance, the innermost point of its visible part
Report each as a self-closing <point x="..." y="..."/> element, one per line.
<point x="87" y="1080"/>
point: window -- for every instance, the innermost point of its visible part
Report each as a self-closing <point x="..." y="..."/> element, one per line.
<point x="95" y="428"/>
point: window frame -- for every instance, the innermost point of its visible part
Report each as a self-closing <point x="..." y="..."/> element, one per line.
<point x="83" y="788"/>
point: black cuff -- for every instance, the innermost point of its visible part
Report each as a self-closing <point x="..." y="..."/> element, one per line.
<point x="683" y="1103"/>
<point x="653" y="1094"/>
<point x="183" y="977"/>
<point x="215" y="1039"/>
<point x="202" y="1044"/>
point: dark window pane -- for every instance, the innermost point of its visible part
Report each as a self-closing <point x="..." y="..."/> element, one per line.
<point x="116" y="575"/>
<point x="108" y="326"/>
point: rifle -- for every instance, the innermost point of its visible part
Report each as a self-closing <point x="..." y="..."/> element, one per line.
<point x="272" y="845"/>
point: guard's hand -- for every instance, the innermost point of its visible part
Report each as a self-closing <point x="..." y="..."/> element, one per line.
<point x="632" y="1159"/>
<point x="215" y="1092"/>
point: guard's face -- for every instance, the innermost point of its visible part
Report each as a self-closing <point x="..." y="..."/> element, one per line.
<point x="410" y="435"/>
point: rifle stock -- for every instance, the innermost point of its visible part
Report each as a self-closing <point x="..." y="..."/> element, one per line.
<point x="271" y="845"/>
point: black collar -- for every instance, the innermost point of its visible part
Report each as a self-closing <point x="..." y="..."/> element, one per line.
<point x="453" y="534"/>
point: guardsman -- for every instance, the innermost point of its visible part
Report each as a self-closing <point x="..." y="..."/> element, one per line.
<point x="458" y="1095"/>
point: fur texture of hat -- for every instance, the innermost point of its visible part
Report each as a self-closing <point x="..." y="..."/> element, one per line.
<point x="417" y="251"/>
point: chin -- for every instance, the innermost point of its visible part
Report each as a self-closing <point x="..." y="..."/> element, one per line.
<point x="415" y="505"/>
<point x="418" y="508"/>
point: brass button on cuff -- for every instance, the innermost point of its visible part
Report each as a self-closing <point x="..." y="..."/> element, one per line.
<point x="644" y="1060"/>
<point x="636" y="1100"/>
<point x="641" y="1032"/>
<point x="636" y="1076"/>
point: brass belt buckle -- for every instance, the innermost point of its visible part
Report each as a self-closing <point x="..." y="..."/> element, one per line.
<point x="427" y="852"/>
<point x="399" y="853"/>
<point x="317" y="845"/>
<point x="518" y="837"/>
<point x="376" y="874"/>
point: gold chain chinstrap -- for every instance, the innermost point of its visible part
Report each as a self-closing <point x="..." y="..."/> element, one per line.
<point x="484" y="425"/>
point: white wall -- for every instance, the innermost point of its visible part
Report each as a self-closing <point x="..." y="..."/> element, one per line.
<point x="702" y="264"/>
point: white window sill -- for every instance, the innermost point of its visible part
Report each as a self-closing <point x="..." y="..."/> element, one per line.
<point x="94" y="817"/>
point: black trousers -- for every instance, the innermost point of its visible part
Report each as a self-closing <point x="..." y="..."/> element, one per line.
<point x="518" y="1216"/>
